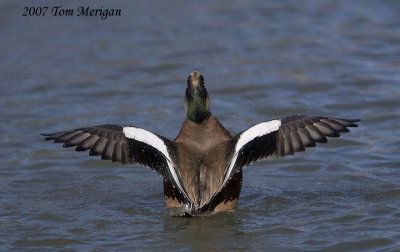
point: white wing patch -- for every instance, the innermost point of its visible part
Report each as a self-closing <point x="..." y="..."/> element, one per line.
<point x="154" y="141"/>
<point x="258" y="130"/>
<point x="147" y="137"/>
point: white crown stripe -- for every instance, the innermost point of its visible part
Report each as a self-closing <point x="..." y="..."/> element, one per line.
<point x="258" y="130"/>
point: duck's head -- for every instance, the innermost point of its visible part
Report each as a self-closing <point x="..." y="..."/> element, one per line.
<point x="197" y="102"/>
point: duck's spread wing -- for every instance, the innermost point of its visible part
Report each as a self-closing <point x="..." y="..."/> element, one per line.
<point x="282" y="137"/>
<point x="125" y="144"/>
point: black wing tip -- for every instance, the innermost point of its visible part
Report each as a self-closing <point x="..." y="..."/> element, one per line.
<point x="48" y="136"/>
<point x="353" y="122"/>
<point x="335" y="134"/>
<point x="51" y="136"/>
<point x="349" y="120"/>
<point x="80" y="148"/>
<point x="66" y="145"/>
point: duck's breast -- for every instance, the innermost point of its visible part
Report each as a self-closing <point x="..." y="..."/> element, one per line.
<point x="202" y="171"/>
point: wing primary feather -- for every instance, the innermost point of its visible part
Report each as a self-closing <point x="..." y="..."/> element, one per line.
<point x="335" y="125"/>
<point x="108" y="150"/>
<point x="306" y="137"/>
<point x="63" y="137"/>
<point x="124" y="151"/>
<point x="281" y="145"/>
<point x="330" y="132"/>
<point x="87" y="143"/>
<point x="316" y="134"/>
<point x="346" y="122"/>
<point x="296" y="142"/>
<point x="117" y="152"/>
<point x="98" y="147"/>
<point x="76" y="139"/>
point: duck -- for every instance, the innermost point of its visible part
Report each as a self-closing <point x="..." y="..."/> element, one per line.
<point x="202" y="168"/>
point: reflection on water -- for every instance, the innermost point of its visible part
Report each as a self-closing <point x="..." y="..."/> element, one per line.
<point x="260" y="61"/>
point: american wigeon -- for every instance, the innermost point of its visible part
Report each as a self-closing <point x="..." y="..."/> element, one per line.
<point x="202" y="166"/>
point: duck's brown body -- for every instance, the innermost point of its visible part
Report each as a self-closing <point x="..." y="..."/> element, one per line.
<point x="202" y="155"/>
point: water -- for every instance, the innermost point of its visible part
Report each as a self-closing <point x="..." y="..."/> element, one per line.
<point x="260" y="61"/>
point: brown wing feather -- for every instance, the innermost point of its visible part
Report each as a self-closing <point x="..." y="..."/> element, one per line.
<point x="105" y="140"/>
<point x="299" y="132"/>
